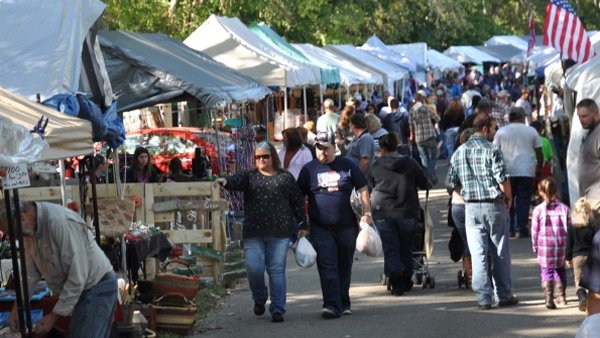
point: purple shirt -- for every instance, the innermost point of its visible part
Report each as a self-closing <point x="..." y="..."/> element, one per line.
<point x="549" y="223"/>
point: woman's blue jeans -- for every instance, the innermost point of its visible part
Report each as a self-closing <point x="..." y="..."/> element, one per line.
<point x="92" y="315"/>
<point x="270" y="254"/>
<point x="398" y="239"/>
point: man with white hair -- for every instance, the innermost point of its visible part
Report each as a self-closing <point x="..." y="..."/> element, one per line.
<point x="329" y="121"/>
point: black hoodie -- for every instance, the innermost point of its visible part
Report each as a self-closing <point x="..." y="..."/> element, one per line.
<point x="394" y="181"/>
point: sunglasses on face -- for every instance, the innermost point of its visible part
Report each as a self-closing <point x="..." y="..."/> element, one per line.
<point x="263" y="157"/>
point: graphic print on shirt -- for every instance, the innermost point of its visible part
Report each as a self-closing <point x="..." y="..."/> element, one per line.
<point x="329" y="180"/>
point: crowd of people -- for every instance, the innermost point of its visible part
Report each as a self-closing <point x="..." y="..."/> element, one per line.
<point x="501" y="163"/>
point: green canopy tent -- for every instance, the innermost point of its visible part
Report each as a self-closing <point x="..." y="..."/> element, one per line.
<point x="329" y="74"/>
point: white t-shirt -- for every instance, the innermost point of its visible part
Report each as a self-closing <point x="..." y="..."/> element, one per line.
<point x="302" y="156"/>
<point x="518" y="142"/>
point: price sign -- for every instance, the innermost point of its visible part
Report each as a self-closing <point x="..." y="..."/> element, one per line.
<point x="16" y="177"/>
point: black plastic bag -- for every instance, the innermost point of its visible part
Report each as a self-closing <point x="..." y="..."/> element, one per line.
<point x="455" y="246"/>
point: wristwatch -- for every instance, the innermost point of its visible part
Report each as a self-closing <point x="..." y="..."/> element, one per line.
<point x="368" y="213"/>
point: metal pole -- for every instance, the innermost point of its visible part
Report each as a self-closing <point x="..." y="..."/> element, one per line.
<point x="268" y="103"/>
<point x="340" y="97"/>
<point x="321" y="97"/>
<point x="94" y="200"/>
<point x="18" y="254"/>
<point x="63" y="183"/>
<point x="305" y="104"/>
<point x="25" y="289"/>
<point x="285" y="108"/>
<point x="216" y="126"/>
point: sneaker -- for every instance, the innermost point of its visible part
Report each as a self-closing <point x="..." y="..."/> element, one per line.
<point x="347" y="312"/>
<point x="328" y="313"/>
<point x="512" y="234"/>
<point x="277" y="318"/>
<point x="259" y="309"/>
<point x="522" y="235"/>
<point x="485" y="307"/>
<point x="513" y="300"/>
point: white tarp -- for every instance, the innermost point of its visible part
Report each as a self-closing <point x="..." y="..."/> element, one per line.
<point x="437" y="60"/>
<point x="511" y="40"/>
<point x="41" y="44"/>
<point x="415" y="52"/>
<point x="350" y="73"/>
<point x="67" y="136"/>
<point x="470" y="54"/>
<point x="391" y="72"/>
<point x="230" y="42"/>
<point x="376" y="47"/>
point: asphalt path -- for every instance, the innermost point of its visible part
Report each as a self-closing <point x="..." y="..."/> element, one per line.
<point x="444" y="311"/>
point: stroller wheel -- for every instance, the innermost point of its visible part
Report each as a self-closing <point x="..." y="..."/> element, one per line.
<point x="431" y="283"/>
<point x="418" y="278"/>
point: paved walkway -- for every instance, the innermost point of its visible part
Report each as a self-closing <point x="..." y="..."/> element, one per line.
<point x="445" y="311"/>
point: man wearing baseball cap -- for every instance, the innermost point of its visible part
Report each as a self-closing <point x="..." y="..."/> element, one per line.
<point x="328" y="182"/>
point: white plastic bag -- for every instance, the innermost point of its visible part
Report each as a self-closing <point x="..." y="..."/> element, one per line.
<point x="368" y="240"/>
<point x="306" y="256"/>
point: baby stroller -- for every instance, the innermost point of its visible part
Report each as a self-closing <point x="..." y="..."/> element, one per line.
<point x="422" y="251"/>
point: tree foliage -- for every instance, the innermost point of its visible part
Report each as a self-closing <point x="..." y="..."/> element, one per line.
<point x="440" y="23"/>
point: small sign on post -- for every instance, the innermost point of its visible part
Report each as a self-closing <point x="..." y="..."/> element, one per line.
<point x="16" y="177"/>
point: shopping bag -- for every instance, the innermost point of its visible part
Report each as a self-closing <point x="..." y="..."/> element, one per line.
<point x="306" y="256"/>
<point x="368" y="240"/>
<point x="356" y="203"/>
<point x="455" y="246"/>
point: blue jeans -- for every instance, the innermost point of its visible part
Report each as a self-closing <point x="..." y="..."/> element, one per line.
<point x="268" y="253"/>
<point x="487" y="232"/>
<point x="458" y="216"/>
<point x="92" y="315"/>
<point x="522" y="188"/>
<point x="397" y="237"/>
<point x="450" y="139"/>
<point x="428" y="151"/>
<point x="335" y="255"/>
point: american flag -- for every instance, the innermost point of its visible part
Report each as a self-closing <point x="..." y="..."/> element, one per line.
<point x="563" y="30"/>
<point x="532" y="39"/>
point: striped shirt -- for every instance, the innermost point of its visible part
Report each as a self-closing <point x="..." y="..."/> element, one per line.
<point x="420" y="120"/>
<point x="549" y="229"/>
<point x="478" y="168"/>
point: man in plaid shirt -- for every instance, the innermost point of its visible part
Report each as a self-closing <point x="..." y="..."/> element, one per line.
<point x="478" y="172"/>
<point x="421" y="120"/>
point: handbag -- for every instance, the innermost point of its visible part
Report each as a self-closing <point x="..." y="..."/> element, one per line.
<point x="177" y="319"/>
<point x="114" y="215"/>
<point x="167" y="283"/>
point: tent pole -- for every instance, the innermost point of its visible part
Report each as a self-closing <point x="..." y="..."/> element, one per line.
<point x="268" y="101"/>
<point x="63" y="182"/>
<point x="285" y="108"/>
<point x="321" y="97"/>
<point x="216" y="126"/>
<point x="305" y="104"/>
<point x="340" y="97"/>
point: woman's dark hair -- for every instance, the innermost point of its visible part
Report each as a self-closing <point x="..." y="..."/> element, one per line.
<point x="455" y="111"/>
<point x="389" y="142"/>
<point x="345" y="116"/>
<point x="294" y="138"/>
<point x="175" y="166"/>
<point x="369" y="106"/>
<point x="135" y="169"/>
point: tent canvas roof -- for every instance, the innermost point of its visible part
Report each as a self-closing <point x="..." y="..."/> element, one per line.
<point x="415" y="52"/>
<point x="165" y="68"/>
<point x="230" y="42"/>
<point x="470" y="54"/>
<point x="376" y="47"/>
<point x="67" y="136"/>
<point x="350" y="73"/>
<point x="508" y="40"/>
<point x="503" y="52"/>
<point x="438" y="60"/>
<point x="329" y="74"/>
<point x="390" y="71"/>
<point x="42" y="42"/>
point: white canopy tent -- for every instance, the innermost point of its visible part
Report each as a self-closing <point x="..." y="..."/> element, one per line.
<point x="390" y="72"/>
<point x="376" y="47"/>
<point x="230" y="42"/>
<point x="512" y="40"/>
<point x="42" y="43"/>
<point x="67" y="136"/>
<point x="470" y="54"/>
<point x="349" y="72"/>
<point x="438" y="60"/>
<point x="416" y="53"/>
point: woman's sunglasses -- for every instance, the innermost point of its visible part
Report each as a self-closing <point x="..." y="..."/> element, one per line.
<point x="264" y="157"/>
